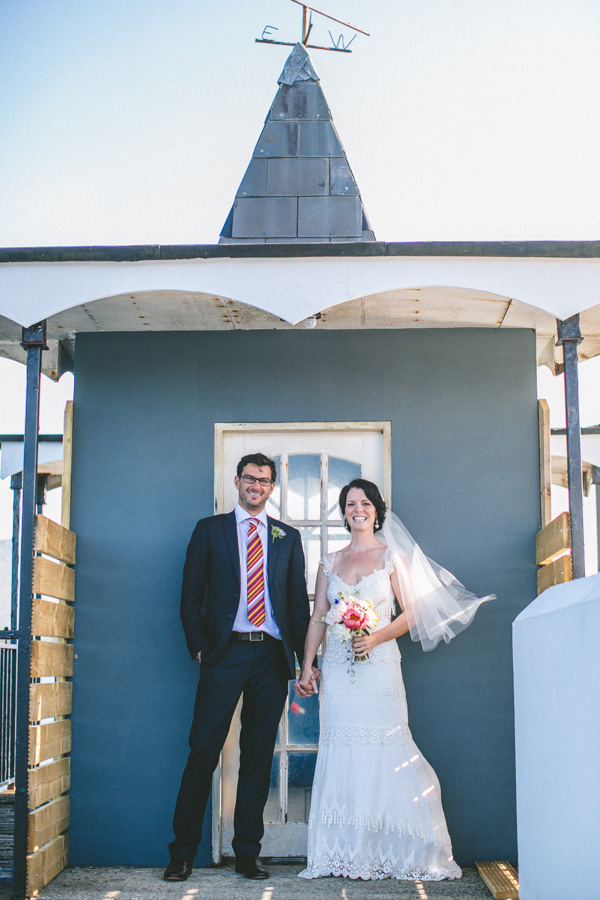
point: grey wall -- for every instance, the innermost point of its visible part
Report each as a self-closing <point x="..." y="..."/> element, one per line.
<point x="465" y="480"/>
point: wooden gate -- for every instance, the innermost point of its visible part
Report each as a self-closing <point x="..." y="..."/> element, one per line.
<point x="50" y="703"/>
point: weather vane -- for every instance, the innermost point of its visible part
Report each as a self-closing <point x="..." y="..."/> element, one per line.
<point x="339" y="45"/>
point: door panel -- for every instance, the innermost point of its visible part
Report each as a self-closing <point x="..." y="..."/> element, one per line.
<point x="314" y="461"/>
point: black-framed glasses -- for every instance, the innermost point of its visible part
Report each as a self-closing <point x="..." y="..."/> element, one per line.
<point x="250" y="479"/>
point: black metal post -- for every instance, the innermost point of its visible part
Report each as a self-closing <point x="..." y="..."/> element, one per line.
<point x="34" y="342"/>
<point x="569" y="335"/>
<point x="16" y="483"/>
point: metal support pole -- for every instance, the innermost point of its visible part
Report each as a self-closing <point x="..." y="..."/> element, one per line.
<point x="596" y="482"/>
<point x="34" y="342"/>
<point x="16" y="483"/>
<point x="569" y="335"/>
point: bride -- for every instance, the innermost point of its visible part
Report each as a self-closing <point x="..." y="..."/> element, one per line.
<point x="376" y="808"/>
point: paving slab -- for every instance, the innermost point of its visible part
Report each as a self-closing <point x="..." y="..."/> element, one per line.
<point x="222" y="883"/>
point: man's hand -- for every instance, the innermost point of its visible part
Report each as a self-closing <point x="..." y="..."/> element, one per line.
<point x="199" y="656"/>
<point x="307" y="684"/>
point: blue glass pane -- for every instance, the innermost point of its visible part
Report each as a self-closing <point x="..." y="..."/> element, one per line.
<point x="273" y="808"/>
<point x="303" y="719"/>
<point x="304" y="487"/>
<point x="341" y="472"/>
<point x="301" y="771"/>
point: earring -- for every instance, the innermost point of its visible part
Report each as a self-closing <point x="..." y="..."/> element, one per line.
<point x="376" y="523"/>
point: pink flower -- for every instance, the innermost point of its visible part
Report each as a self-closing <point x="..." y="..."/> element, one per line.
<point x="354" y="618"/>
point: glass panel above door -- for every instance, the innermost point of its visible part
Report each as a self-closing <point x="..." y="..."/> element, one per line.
<point x="274" y="501"/>
<point x="304" y="487"/>
<point x="341" y="472"/>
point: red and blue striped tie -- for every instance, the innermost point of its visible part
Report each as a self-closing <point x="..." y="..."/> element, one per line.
<point x="256" y="577"/>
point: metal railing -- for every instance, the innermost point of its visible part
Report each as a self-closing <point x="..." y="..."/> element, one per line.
<point x="8" y="708"/>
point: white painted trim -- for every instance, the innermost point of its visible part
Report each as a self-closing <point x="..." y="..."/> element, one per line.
<point x="296" y="288"/>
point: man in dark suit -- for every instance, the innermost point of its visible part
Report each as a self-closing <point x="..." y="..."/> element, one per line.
<point x="245" y="612"/>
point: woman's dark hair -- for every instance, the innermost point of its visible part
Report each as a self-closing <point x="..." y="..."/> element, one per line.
<point x="257" y="459"/>
<point x="372" y="493"/>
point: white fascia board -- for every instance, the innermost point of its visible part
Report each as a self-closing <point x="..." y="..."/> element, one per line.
<point x="295" y="288"/>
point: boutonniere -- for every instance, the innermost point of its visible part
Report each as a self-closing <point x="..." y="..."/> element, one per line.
<point x="276" y="533"/>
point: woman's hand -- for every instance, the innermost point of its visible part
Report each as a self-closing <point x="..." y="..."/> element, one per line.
<point x="362" y="644"/>
<point x="307" y="684"/>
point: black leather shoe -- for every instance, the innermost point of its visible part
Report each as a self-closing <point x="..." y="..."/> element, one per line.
<point x="178" y="870"/>
<point x="250" y="867"/>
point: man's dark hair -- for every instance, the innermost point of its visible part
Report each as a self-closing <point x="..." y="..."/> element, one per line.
<point x="371" y="492"/>
<point x="257" y="459"/>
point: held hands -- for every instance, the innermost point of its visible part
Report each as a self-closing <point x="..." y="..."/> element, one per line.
<point x="307" y="684"/>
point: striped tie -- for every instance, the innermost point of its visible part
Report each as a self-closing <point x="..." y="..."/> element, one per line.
<point x="256" y="578"/>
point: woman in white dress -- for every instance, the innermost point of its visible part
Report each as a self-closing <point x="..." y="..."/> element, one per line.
<point x="376" y="809"/>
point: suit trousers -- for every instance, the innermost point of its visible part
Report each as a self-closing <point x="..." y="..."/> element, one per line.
<point x="257" y="671"/>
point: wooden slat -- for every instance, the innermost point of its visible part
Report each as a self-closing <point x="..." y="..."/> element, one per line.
<point x="67" y="465"/>
<point x="501" y="878"/>
<point x="545" y="461"/>
<point x="47" y="701"/>
<point x="47" y="822"/>
<point x="52" y="619"/>
<point x="46" y="741"/>
<point x="50" y="659"/>
<point x="46" y="863"/>
<point x="48" y="782"/>
<point x="53" y="579"/>
<point x="553" y="540"/>
<point x="556" y="572"/>
<point x="52" y="539"/>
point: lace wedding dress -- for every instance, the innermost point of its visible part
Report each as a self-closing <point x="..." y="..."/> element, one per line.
<point x="376" y="809"/>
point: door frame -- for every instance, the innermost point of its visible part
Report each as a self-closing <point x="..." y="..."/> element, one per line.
<point x="221" y="430"/>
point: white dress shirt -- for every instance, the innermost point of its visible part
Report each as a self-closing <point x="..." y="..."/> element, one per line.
<point x="241" y="623"/>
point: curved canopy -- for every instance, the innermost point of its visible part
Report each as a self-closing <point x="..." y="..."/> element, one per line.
<point x="345" y="291"/>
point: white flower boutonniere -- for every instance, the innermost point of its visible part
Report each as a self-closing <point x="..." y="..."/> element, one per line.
<point x="276" y="533"/>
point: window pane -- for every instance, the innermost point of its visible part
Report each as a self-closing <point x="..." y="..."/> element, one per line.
<point x="274" y="501"/>
<point x="300" y="778"/>
<point x="311" y="542"/>
<point x="303" y="718"/>
<point x="304" y="487"/>
<point x="341" y="472"/>
<point x="273" y="808"/>
<point x="337" y="538"/>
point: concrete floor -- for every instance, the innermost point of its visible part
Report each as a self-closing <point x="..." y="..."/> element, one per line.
<point x="127" y="883"/>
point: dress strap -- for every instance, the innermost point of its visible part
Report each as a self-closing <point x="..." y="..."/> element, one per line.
<point x="327" y="563"/>
<point x="390" y="562"/>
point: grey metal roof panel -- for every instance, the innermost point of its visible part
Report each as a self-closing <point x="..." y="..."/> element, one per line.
<point x="341" y="179"/>
<point x="297" y="177"/>
<point x="254" y="182"/>
<point x="319" y="139"/>
<point x="278" y="139"/>
<point x="329" y="217"/>
<point x="275" y="217"/>
<point x="303" y="100"/>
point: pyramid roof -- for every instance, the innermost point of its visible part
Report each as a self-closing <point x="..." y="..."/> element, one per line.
<point x="298" y="187"/>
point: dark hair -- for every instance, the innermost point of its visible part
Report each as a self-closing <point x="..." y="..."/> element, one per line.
<point x="372" y="493"/>
<point x="257" y="459"/>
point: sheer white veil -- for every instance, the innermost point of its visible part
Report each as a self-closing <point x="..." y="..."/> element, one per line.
<point x="437" y="605"/>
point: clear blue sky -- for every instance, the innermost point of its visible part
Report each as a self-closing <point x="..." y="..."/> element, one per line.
<point x="133" y="122"/>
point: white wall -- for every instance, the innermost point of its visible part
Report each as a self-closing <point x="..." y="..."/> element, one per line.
<point x="557" y="730"/>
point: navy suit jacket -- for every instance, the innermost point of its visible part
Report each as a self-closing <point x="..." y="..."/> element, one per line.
<point x="211" y="588"/>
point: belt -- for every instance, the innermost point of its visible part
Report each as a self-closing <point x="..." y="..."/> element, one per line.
<point x="249" y="635"/>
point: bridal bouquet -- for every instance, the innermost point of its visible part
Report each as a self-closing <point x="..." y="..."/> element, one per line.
<point x="350" y="615"/>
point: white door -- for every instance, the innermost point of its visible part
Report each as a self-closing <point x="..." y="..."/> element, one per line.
<point x="314" y="461"/>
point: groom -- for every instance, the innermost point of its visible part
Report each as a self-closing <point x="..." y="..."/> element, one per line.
<point x="244" y="609"/>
